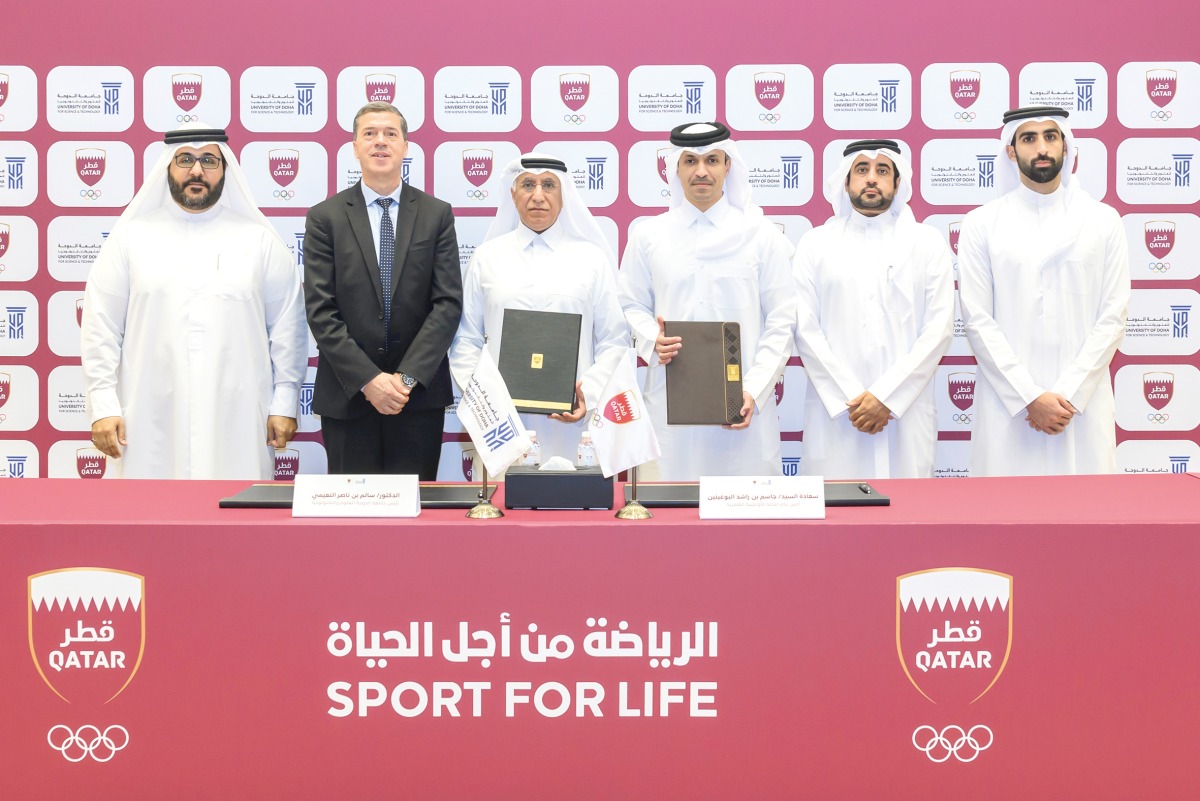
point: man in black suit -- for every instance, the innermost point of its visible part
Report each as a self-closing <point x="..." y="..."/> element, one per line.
<point x="384" y="296"/>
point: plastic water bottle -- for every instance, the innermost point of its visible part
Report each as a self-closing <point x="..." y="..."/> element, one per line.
<point x="585" y="456"/>
<point x="533" y="456"/>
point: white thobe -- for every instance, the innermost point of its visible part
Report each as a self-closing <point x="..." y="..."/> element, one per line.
<point x="719" y="265"/>
<point x="193" y="330"/>
<point x="1044" y="287"/>
<point x="875" y="313"/>
<point x="551" y="272"/>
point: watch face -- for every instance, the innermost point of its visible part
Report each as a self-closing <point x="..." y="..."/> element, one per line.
<point x="408" y="380"/>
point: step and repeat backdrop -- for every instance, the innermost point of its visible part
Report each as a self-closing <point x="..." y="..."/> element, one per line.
<point x="79" y="126"/>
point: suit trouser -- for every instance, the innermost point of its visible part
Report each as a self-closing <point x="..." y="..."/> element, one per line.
<point x="405" y="443"/>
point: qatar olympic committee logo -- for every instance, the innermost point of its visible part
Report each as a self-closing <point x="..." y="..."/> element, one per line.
<point x="961" y="389"/>
<point x="90" y="462"/>
<point x="381" y="87"/>
<point x="186" y="90"/>
<point x="953" y="638"/>
<point x="574" y="88"/>
<point x="1159" y="239"/>
<point x="1161" y="85"/>
<point x="769" y="88"/>
<point x="287" y="464"/>
<point x="477" y="169"/>
<point x="4" y="90"/>
<point x="952" y="231"/>
<point x="87" y="633"/>
<point x="89" y="165"/>
<point x="5" y="390"/>
<point x="284" y="166"/>
<point x="5" y="238"/>
<point x="964" y="87"/>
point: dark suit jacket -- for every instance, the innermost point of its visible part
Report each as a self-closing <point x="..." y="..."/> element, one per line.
<point x="345" y="300"/>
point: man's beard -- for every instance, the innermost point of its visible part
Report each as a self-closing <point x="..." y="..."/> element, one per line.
<point x="881" y="203"/>
<point x="195" y="203"/>
<point x="1040" y="175"/>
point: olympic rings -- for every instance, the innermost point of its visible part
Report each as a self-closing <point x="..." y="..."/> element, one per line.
<point x="90" y="194"/>
<point x="965" y="116"/>
<point x="965" y="419"/>
<point x="1155" y="417"/>
<point x="284" y="194"/>
<point x="1161" y="114"/>
<point x="771" y="118"/>
<point x="1159" y="266"/>
<point x="1" y="118"/>
<point x="477" y="194"/>
<point x="665" y="193"/>
<point x="942" y="743"/>
<point x="75" y="747"/>
<point x="187" y="118"/>
<point x="575" y="119"/>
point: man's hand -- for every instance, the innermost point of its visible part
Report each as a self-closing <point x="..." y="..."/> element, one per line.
<point x="867" y="414"/>
<point x="576" y="414"/>
<point x="280" y="430"/>
<point x="387" y="393"/>
<point x="747" y="411"/>
<point x="108" y="435"/>
<point x="1049" y="413"/>
<point x="666" y="347"/>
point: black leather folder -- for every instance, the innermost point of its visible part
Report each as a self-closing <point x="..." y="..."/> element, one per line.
<point x="704" y="380"/>
<point x="539" y="354"/>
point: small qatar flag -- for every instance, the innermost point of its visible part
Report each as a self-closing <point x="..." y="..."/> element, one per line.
<point x="621" y="429"/>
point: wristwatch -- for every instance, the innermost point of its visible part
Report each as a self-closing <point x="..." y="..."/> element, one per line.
<point x="408" y="380"/>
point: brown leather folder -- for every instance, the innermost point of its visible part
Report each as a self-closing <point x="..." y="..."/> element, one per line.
<point x="704" y="380"/>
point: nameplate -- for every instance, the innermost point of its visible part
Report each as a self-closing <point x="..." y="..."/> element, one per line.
<point x="762" y="498"/>
<point x="356" y="496"/>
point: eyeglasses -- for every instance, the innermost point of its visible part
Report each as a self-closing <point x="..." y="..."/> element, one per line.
<point x="207" y="161"/>
<point x="548" y="186"/>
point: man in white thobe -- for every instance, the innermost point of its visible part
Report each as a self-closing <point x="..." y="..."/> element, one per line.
<point x="1044" y="285"/>
<point x="875" y="314"/>
<point x="193" y="333"/>
<point x="544" y="252"/>
<point x="712" y="256"/>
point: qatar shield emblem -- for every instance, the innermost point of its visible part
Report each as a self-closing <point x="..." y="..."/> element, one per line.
<point x="284" y="164"/>
<point x="954" y="631"/>
<point x="954" y="229"/>
<point x="186" y="88"/>
<point x="1161" y="86"/>
<point x="87" y="631"/>
<point x="574" y="88"/>
<point x="964" y="87"/>
<point x="1158" y="388"/>
<point x="961" y="387"/>
<point x="1159" y="237"/>
<point x="5" y="236"/>
<point x="381" y="87"/>
<point x="768" y="89"/>
<point x="89" y="165"/>
<point x="477" y="165"/>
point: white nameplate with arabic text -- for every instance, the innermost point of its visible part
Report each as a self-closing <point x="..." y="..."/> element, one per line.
<point x="356" y="496"/>
<point x="762" y="498"/>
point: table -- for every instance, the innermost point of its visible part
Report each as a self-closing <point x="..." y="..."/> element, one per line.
<point x="302" y="659"/>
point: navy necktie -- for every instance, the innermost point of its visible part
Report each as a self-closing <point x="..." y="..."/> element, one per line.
<point x="387" y="252"/>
